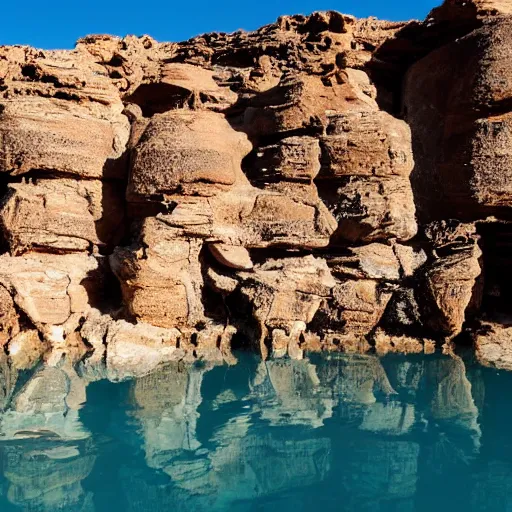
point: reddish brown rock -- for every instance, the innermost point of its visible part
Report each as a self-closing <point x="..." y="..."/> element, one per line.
<point x="366" y="143"/>
<point x="190" y="152"/>
<point x="270" y="180"/>
<point x="357" y="306"/>
<point x="366" y="162"/>
<point x="456" y="101"/>
<point x="448" y="287"/>
<point x="303" y="102"/>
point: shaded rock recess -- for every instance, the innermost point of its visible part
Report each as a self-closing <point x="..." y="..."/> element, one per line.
<point x="324" y="183"/>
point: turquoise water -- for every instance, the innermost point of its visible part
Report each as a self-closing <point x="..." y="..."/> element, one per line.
<point x="345" y="433"/>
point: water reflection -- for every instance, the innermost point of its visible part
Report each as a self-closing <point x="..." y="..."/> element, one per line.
<point x="334" y="432"/>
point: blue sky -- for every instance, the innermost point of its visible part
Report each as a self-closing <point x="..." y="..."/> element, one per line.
<point x="58" y="23"/>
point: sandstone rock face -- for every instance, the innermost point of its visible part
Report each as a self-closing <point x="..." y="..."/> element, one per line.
<point x="59" y="114"/>
<point x="61" y="215"/>
<point x="461" y="125"/>
<point x="277" y="189"/>
<point x="190" y="152"/>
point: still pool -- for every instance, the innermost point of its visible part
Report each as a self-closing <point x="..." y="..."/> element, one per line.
<point x="354" y="433"/>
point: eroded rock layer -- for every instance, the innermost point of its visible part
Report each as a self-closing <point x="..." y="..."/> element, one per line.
<point x="322" y="183"/>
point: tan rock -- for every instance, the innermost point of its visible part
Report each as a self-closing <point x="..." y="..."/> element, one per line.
<point x="254" y="218"/>
<point x="372" y="261"/>
<point x="493" y="345"/>
<point x="47" y="288"/>
<point x="60" y="114"/>
<point x="366" y="143"/>
<point x="193" y="152"/>
<point x="59" y="136"/>
<point x="386" y="344"/>
<point x="288" y="344"/>
<point x="26" y="349"/>
<point x="160" y="276"/>
<point x="9" y="325"/>
<point x="94" y="329"/>
<point x="231" y="256"/>
<point x="357" y="306"/>
<point x="135" y="350"/>
<point x="293" y="158"/>
<point x="301" y="102"/>
<point x="181" y="85"/>
<point x="284" y="292"/>
<point x="373" y="209"/>
<point x="61" y="215"/>
<point x="345" y="343"/>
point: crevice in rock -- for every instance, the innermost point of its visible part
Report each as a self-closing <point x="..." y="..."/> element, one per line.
<point x="158" y="97"/>
<point x="496" y="244"/>
<point x="103" y="289"/>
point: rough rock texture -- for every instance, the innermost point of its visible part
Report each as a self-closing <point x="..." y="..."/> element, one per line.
<point x="322" y="183"/>
<point x="493" y="345"/>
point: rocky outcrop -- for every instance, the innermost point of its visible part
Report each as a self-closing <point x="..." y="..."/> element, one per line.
<point x="322" y="183"/>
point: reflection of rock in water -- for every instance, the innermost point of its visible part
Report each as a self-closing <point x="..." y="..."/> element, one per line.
<point x="354" y="378"/>
<point x="239" y="464"/>
<point x="167" y="402"/>
<point x="452" y="400"/>
<point x="260" y="465"/>
<point x="381" y="470"/>
<point x="46" y="476"/>
<point x="219" y="440"/>
<point x="47" y="454"/>
<point x="47" y="406"/>
<point x="8" y="379"/>
<point x="289" y="392"/>
<point x="491" y="488"/>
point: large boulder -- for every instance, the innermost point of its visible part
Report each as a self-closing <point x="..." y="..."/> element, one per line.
<point x="302" y="102"/>
<point x="285" y="296"/>
<point x="366" y="163"/>
<point x="190" y="152"/>
<point x="449" y="284"/>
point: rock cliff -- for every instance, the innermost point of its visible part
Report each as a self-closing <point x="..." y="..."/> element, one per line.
<point x="322" y="183"/>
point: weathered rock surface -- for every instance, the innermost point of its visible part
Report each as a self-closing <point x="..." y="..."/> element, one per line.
<point x="280" y="187"/>
<point x="456" y="101"/>
<point x="493" y="345"/>
<point x="62" y="215"/>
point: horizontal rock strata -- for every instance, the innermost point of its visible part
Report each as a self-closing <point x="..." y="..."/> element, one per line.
<point x="322" y="183"/>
